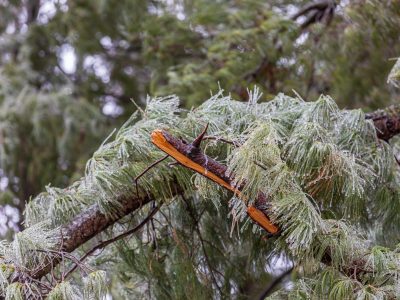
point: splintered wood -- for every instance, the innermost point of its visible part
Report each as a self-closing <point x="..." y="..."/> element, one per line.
<point x="190" y="156"/>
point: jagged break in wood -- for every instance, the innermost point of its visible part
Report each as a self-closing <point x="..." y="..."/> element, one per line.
<point x="181" y="152"/>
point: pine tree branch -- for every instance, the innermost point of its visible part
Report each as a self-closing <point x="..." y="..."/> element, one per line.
<point x="104" y="244"/>
<point x="85" y="226"/>
<point x="386" y="121"/>
<point x="92" y="221"/>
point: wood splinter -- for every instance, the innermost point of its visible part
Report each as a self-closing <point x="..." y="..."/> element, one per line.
<point x="191" y="156"/>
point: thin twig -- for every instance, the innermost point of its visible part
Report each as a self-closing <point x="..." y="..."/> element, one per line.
<point x="318" y="6"/>
<point x="274" y="283"/>
<point x="61" y="255"/>
<point x="114" y="239"/>
<point x="69" y="77"/>
<point x="217" y="138"/>
<point x="197" y="229"/>
<point x="146" y="170"/>
<point x="397" y="160"/>
<point x="153" y="232"/>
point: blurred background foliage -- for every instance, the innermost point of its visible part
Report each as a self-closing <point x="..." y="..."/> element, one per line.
<point x="69" y="69"/>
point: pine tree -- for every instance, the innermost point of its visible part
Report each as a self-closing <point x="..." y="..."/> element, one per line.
<point x="289" y="196"/>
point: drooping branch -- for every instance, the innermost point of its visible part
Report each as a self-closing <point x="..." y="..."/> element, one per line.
<point x="104" y="244"/>
<point x="92" y="221"/>
<point x="88" y="224"/>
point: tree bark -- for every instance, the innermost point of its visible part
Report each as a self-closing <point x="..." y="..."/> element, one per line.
<point x="386" y="122"/>
<point x="88" y="224"/>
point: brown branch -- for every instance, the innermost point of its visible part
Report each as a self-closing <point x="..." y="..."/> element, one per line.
<point x="85" y="226"/>
<point x="386" y="121"/>
<point x="104" y="244"/>
<point x="321" y="5"/>
<point x="196" y="143"/>
<point x="270" y="288"/>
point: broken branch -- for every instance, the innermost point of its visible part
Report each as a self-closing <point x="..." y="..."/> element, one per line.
<point x="191" y="156"/>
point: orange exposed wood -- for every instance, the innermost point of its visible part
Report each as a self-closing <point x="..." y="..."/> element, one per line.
<point x="159" y="140"/>
<point x="261" y="219"/>
<point x="258" y="216"/>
